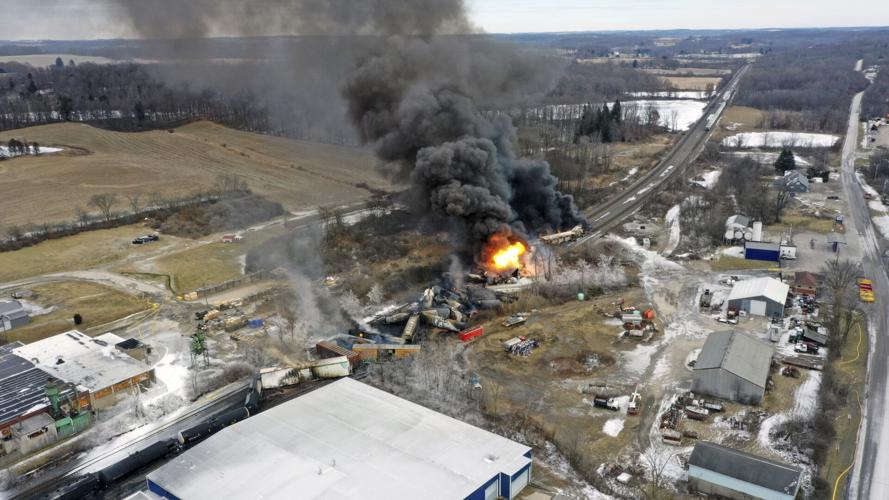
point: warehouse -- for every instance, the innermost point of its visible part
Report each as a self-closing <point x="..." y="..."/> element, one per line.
<point x="107" y="373"/>
<point x="727" y="473"/>
<point x="734" y="366"/>
<point x="759" y="297"/>
<point x="348" y="440"/>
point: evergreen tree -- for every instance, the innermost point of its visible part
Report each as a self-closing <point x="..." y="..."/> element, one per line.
<point x="616" y="112"/>
<point x="785" y="161"/>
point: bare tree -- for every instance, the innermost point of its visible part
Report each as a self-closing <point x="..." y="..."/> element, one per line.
<point x="104" y="202"/>
<point x="655" y="459"/>
<point x="83" y="217"/>
<point x="134" y="201"/>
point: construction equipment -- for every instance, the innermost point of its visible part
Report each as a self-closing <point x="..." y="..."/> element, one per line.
<point x="633" y="405"/>
<point x="706" y="299"/>
<point x="607" y="403"/>
<point x="514" y="320"/>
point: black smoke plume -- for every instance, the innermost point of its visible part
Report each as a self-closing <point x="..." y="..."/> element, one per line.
<point x="417" y="80"/>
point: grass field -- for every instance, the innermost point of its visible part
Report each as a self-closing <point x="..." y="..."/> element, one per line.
<point x="692" y="82"/>
<point x="799" y="222"/>
<point x="850" y="371"/>
<point x="297" y="174"/>
<point x="210" y="264"/>
<point x="81" y="251"/>
<point x="97" y="304"/>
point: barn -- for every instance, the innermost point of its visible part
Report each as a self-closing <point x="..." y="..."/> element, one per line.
<point x="12" y="315"/>
<point x="348" y="440"/>
<point x="759" y="297"/>
<point x="733" y="366"/>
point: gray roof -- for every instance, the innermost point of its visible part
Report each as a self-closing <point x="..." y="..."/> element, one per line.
<point x="10" y="306"/>
<point x="836" y="238"/>
<point x="22" y="385"/>
<point x="15" y="315"/>
<point x="775" y="476"/>
<point x="738" y="353"/>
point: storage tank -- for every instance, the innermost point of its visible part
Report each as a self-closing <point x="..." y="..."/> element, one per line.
<point x="757" y="231"/>
<point x="739" y="235"/>
<point x="332" y="367"/>
<point x="729" y="234"/>
<point x="748" y="235"/>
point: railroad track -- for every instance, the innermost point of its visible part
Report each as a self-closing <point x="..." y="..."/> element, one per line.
<point x="686" y="150"/>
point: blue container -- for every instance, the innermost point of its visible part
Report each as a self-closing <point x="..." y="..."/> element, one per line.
<point x="255" y="323"/>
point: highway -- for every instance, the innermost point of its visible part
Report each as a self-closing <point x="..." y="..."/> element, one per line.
<point x="686" y="150"/>
<point x="870" y="475"/>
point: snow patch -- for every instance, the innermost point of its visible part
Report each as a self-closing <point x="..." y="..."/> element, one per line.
<point x="710" y="179"/>
<point x="613" y="427"/>
<point x="780" y="139"/>
<point x="737" y="252"/>
<point x="672" y="218"/>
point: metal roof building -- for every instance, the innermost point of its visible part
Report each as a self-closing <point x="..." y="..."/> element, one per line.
<point x="348" y="440"/>
<point x="734" y="366"/>
<point x="89" y="363"/>
<point x="12" y="315"/>
<point x="759" y="296"/>
<point x="22" y="388"/>
<point x="727" y="473"/>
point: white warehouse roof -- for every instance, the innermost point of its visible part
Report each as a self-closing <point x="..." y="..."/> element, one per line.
<point x="80" y="359"/>
<point x="769" y="288"/>
<point x="344" y="440"/>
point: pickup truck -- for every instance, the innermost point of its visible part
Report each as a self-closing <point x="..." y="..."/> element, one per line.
<point x="148" y="238"/>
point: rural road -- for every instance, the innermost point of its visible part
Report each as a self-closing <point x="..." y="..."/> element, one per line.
<point x="605" y="215"/>
<point x="870" y="476"/>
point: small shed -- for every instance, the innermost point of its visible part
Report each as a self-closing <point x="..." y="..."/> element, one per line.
<point x="12" y="315"/>
<point x="724" y="472"/>
<point x="759" y="297"/>
<point x="806" y="283"/>
<point x="733" y="366"/>
<point x="761" y="250"/>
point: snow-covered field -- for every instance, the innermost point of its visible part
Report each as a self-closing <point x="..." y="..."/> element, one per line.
<point x="681" y="113"/>
<point x="881" y="221"/>
<point x="4" y="151"/>
<point x="780" y="139"/>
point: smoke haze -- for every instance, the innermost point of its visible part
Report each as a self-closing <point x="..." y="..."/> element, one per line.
<point x="408" y="87"/>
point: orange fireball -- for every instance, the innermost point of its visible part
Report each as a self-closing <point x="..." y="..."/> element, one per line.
<point x="509" y="257"/>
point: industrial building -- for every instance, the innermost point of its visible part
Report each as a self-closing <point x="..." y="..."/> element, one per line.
<point x="733" y="366"/>
<point x="92" y="364"/>
<point x="759" y="297"/>
<point x="12" y="315"/>
<point x="727" y="473"/>
<point x="348" y="440"/>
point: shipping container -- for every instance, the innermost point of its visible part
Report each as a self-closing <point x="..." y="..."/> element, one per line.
<point x="770" y="252"/>
<point x="467" y="335"/>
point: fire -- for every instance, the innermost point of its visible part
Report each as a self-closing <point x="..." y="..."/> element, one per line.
<point x="510" y="257"/>
<point x="504" y="252"/>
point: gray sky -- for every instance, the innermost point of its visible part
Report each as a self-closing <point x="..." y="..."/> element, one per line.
<point x="77" y="19"/>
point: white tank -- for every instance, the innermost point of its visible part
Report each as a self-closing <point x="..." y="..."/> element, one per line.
<point x="739" y="235"/>
<point x="748" y="235"/>
<point x="332" y="367"/>
<point x="729" y="234"/>
<point x="757" y="231"/>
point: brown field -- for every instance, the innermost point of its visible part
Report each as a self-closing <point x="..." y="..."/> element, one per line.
<point x="692" y="82"/>
<point x="97" y="304"/>
<point x="297" y="174"/>
<point x="746" y="118"/>
<point x="688" y="71"/>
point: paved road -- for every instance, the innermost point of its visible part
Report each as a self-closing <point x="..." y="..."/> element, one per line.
<point x="605" y="215"/>
<point x="870" y="477"/>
